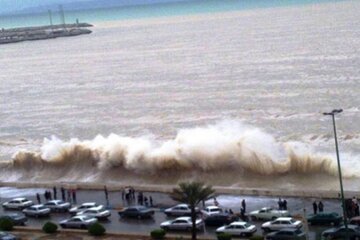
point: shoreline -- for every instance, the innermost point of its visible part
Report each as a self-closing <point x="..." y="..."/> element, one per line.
<point x="324" y="194"/>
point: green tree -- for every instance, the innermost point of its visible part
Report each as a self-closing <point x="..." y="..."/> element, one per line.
<point x="192" y="193"/>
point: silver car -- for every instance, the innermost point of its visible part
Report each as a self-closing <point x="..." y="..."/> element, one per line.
<point x="37" y="211"/>
<point x="96" y="212"/>
<point x="58" y="205"/>
<point x="180" y="210"/>
<point x="182" y="223"/>
<point x="81" y="221"/>
<point x="84" y="207"/>
<point x="17" y="203"/>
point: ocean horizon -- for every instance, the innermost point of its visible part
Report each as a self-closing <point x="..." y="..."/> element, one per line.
<point x="145" y="11"/>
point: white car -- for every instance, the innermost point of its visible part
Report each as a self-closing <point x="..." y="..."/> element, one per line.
<point x="280" y="223"/>
<point x="85" y="206"/>
<point x="58" y="205"/>
<point x="211" y="210"/>
<point x="78" y="222"/>
<point x="268" y="213"/>
<point x="180" y="210"/>
<point x="241" y="229"/>
<point x="17" y="203"/>
<point x="182" y="223"/>
<point x="38" y="210"/>
<point x="96" y="212"/>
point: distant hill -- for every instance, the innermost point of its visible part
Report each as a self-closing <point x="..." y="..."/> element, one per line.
<point x="85" y="4"/>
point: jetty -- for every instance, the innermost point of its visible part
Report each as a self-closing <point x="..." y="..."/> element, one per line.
<point x="14" y="35"/>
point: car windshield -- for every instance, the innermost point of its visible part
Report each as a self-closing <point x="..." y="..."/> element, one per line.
<point x="292" y="221"/>
<point x="247" y="225"/>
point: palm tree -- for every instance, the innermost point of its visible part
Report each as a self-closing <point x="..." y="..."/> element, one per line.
<point x="192" y="193"/>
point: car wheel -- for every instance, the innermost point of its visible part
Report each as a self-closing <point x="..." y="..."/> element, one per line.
<point x="63" y="225"/>
<point x="83" y="227"/>
<point x="266" y="229"/>
<point x="254" y="218"/>
<point x="188" y="229"/>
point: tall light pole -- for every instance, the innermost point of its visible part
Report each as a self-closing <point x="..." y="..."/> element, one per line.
<point x="332" y="114"/>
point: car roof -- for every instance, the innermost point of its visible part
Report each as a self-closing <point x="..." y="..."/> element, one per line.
<point x="19" y="199"/>
<point x="183" y="218"/>
<point x="37" y="205"/>
<point x="212" y="207"/>
<point x="181" y="205"/>
<point x="238" y="223"/>
<point x="288" y="230"/>
<point x="284" y="218"/>
<point x="55" y="200"/>
<point x="88" y="203"/>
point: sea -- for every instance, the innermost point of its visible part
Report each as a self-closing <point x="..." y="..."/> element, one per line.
<point x="231" y="93"/>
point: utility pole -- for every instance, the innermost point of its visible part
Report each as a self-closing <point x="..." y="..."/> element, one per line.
<point x="332" y="114"/>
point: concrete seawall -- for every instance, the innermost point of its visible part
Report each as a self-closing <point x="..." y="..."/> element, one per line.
<point x="15" y="35"/>
<point x="168" y="188"/>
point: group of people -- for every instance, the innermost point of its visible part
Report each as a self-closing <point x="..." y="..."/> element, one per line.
<point x="66" y="195"/>
<point x="318" y="206"/>
<point x="282" y="204"/>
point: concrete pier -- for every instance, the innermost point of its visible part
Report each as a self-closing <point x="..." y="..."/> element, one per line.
<point x="14" y="35"/>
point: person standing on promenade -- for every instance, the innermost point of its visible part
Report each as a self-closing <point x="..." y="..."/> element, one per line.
<point x="73" y="191"/>
<point x="38" y="198"/>
<point x="284" y="203"/>
<point x="243" y="205"/>
<point x="151" y="201"/>
<point x="63" y="194"/>
<point x="321" y="207"/>
<point x="315" y="208"/>
<point x="55" y="192"/>
<point x="106" y="195"/>
<point x="68" y="195"/>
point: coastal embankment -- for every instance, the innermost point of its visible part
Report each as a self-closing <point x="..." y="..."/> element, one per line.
<point x="14" y="35"/>
<point x="330" y="194"/>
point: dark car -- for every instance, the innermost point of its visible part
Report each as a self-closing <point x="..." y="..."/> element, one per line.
<point x="220" y="219"/>
<point x="136" y="212"/>
<point x="355" y="221"/>
<point x="340" y="233"/>
<point x="286" y="234"/>
<point x="325" y="218"/>
<point x="17" y="219"/>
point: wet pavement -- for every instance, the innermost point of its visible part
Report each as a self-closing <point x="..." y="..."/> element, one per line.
<point x="161" y="201"/>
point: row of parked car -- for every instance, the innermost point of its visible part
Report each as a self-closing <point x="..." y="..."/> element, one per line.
<point x="281" y="225"/>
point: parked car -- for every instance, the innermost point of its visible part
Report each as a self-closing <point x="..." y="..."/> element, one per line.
<point x="241" y="229"/>
<point x="181" y="223"/>
<point x="85" y="206"/>
<point x="58" y="205"/>
<point x="286" y="234"/>
<point x="38" y="210"/>
<point x="355" y="221"/>
<point x="136" y="212"/>
<point x="7" y="236"/>
<point x="281" y="222"/>
<point x="268" y="213"/>
<point x="16" y="218"/>
<point x="340" y="233"/>
<point x="81" y="221"/>
<point x="96" y="212"/>
<point x="180" y="210"/>
<point x="220" y="219"/>
<point x="325" y="218"/>
<point x="17" y="203"/>
<point x="211" y="210"/>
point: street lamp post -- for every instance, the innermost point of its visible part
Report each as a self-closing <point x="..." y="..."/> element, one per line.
<point x="332" y="114"/>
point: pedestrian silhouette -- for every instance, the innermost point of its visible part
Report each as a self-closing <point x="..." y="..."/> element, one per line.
<point x="315" y="208"/>
<point x="321" y="206"/>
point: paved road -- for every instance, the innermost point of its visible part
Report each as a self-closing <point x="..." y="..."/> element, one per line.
<point x="161" y="201"/>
